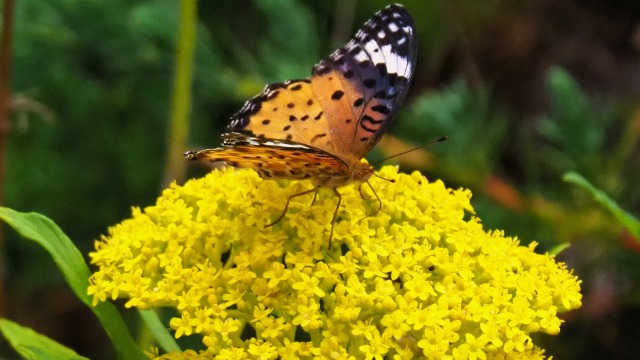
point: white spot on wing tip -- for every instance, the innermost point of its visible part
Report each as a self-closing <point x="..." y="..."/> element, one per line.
<point x="361" y="56"/>
<point x="371" y="46"/>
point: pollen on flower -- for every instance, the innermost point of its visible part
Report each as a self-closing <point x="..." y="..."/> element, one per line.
<point x="420" y="278"/>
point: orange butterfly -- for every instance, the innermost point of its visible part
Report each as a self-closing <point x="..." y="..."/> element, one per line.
<point x="321" y="127"/>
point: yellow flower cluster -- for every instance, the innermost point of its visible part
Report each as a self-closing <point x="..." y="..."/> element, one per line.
<point x="419" y="278"/>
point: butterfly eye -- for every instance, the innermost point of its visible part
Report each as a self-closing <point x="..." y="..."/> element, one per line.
<point x="362" y="172"/>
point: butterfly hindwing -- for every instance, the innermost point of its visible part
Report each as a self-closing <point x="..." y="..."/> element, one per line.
<point x="273" y="159"/>
<point x="285" y="111"/>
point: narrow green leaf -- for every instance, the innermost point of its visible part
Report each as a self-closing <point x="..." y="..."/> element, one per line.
<point x="159" y="330"/>
<point x="32" y="345"/>
<point x="69" y="260"/>
<point x="559" y="248"/>
<point x="627" y="220"/>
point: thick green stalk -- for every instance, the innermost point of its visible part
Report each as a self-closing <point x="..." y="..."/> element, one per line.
<point x="181" y="100"/>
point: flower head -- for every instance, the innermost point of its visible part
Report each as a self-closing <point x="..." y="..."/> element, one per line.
<point x="421" y="277"/>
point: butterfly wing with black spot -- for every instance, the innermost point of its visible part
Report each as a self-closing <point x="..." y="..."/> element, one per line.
<point x="361" y="85"/>
<point x="288" y="111"/>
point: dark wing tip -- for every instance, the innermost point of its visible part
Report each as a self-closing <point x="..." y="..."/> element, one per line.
<point x="396" y="7"/>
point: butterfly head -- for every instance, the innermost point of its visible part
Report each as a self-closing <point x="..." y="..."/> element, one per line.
<point x="361" y="172"/>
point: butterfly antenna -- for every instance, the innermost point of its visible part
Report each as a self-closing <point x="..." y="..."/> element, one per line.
<point x="380" y="177"/>
<point x="444" y="138"/>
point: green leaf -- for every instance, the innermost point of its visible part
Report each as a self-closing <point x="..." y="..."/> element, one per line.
<point x="159" y="331"/>
<point x="559" y="248"/>
<point x="32" y="345"/>
<point x="69" y="260"/>
<point x="627" y="220"/>
<point x="574" y="127"/>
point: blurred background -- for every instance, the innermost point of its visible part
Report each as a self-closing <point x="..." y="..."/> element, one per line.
<point x="525" y="90"/>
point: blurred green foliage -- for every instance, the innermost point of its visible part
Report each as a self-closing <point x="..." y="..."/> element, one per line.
<point x="475" y="130"/>
<point x="105" y="71"/>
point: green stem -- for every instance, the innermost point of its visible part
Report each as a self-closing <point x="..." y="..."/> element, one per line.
<point x="5" y="101"/>
<point x="181" y="100"/>
<point x="159" y="331"/>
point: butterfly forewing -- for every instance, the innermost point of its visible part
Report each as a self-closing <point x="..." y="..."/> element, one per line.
<point x="361" y="85"/>
<point x="274" y="159"/>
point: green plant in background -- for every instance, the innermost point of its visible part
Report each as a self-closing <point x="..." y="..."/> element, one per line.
<point x="475" y="131"/>
<point x="181" y="100"/>
<point x="574" y="129"/>
<point x="574" y="138"/>
<point x="628" y="221"/>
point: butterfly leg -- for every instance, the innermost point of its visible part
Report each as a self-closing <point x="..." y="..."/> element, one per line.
<point x="360" y="191"/>
<point x="335" y="215"/>
<point x="379" y="202"/>
<point x="286" y="206"/>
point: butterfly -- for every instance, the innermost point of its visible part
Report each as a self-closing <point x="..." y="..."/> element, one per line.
<point x="319" y="128"/>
